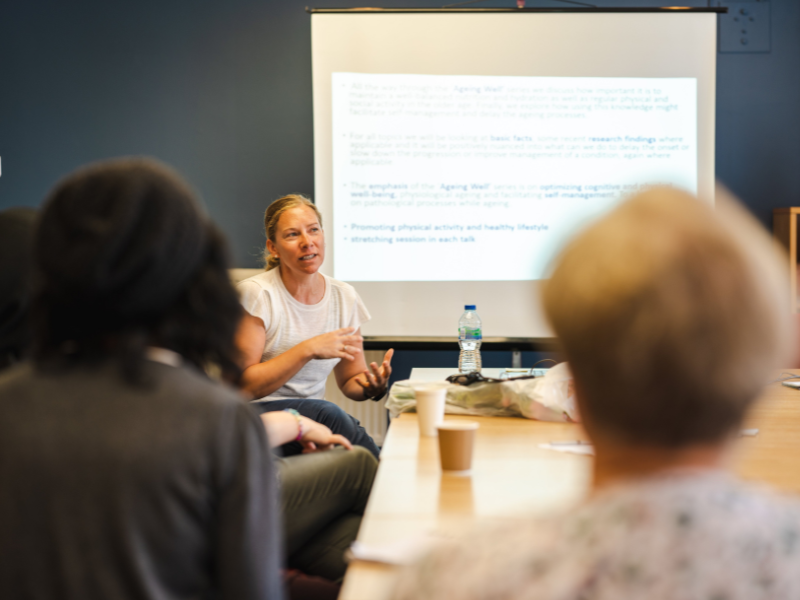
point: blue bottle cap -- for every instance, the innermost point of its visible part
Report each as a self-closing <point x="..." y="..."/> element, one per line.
<point x="469" y="307"/>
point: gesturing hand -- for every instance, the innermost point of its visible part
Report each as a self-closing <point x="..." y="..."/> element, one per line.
<point x="336" y="344"/>
<point x="375" y="381"/>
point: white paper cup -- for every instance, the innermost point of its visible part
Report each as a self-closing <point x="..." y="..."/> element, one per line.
<point x="430" y="407"/>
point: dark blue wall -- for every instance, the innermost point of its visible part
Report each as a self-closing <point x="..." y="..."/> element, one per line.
<point x="222" y="91"/>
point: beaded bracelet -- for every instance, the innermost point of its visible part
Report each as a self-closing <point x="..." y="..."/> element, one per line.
<point x="296" y="414"/>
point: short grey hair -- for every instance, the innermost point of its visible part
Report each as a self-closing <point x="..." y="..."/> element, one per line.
<point x="672" y="316"/>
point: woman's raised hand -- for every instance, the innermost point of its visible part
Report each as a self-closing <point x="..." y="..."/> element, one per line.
<point x="375" y="379"/>
<point x="336" y="344"/>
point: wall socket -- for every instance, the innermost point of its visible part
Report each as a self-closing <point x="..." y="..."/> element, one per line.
<point x="745" y="27"/>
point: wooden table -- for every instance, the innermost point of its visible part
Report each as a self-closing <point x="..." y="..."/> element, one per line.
<point x="512" y="476"/>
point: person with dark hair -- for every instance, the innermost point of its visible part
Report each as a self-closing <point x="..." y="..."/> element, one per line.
<point x="673" y="316"/>
<point x="16" y="242"/>
<point x="126" y="472"/>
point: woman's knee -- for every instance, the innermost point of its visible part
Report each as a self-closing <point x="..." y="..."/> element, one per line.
<point x="328" y="411"/>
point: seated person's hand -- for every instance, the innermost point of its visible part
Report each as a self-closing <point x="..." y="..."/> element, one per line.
<point x="375" y="381"/>
<point x="317" y="436"/>
<point x="336" y="344"/>
<point x="286" y="425"/>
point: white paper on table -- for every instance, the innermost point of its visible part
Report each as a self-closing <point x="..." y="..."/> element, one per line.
<point x="400" y="552"/>
<point x="587" y="449"/>
<point x="574" y="448"/>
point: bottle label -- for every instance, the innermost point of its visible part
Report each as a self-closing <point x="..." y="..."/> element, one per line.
<point x="467" y="333"/>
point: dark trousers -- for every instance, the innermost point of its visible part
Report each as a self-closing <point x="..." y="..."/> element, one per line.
<point x="327" y="413"/>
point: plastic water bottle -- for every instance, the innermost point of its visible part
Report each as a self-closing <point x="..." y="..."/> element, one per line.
<point x="469" y="339"/>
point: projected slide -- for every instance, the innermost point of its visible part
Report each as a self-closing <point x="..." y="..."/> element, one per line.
<point x="481" y="178"/>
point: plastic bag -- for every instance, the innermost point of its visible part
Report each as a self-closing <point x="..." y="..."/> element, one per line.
<point x="548" y="398"/>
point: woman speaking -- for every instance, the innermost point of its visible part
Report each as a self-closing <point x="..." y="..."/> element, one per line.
<point x="302" y="324"/>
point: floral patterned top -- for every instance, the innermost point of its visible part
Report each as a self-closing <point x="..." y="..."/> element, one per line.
<point x="683" y="536"/>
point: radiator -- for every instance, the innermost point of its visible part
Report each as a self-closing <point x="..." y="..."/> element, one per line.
<point x="372" y="415"/>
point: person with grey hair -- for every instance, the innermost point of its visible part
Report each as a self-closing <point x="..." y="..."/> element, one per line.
<point x="672" y="316"/>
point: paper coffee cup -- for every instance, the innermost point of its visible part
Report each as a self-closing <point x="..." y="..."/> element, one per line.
<point x="430" y="407"/>
<point x="456" y="442"/>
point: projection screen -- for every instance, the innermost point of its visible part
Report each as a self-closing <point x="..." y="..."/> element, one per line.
<point x="456" y="151"/>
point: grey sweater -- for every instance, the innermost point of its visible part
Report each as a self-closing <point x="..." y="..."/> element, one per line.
<point x="115" y="492"/>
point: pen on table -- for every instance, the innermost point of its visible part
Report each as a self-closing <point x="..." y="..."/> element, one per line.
<point x="572" y="443"/>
